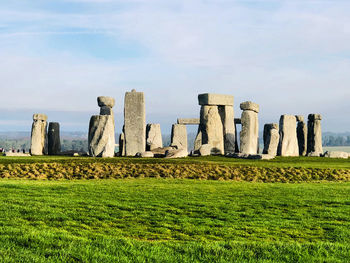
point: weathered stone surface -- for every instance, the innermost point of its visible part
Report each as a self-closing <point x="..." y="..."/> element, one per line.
<point x="153" y="137"/>
<point x="337" y="154"/>
<point x="211" y="128"/>
<point x="249" y="135"/>
<point x="146" y="154"/>
<point x="288" y="145"/>
<point x="38" y="145"/>
<point x="302" y="136"/>
<point x="251" y="106"/>
<point x="122" y="144"/>
<point x="105" y="101"/>
<point x="160" y="152"/>
<point x="238" y="121"/>
<point x="16" y="154"/>
<point x="227" y="119"/>
<point x="179" y="136"/>
<point x="300" y="118"/>
<point x="205" y="150"/>
<point x="106" y="111"/>
<point x="176" y="153"/>
<point x="215" y="99"/>
<point x="190" y="121"/>
<point x="253" y="156"/>
<point x="134" y="123"/>
<point x="198" y="140"/>
<point x="101" y="136"/>
<point x="271" y="139"/>
<point x="314" y="134"/>
<point x="54" y="140"/>
<point x="314" y="154"/>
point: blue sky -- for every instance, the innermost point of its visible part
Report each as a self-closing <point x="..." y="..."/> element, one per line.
<point x="56" y="57"/>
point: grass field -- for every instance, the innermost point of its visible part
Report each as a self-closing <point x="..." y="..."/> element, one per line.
<point x="170" y="220"/>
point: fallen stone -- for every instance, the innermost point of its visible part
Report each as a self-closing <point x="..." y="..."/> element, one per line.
<point x="153" y="136"/>
<point x="288" y="145"/>
<point x="16" y="154"/>
<point x="336" y="154"/>
<point x="314" y="154"/>
<point x="251" y="106"/>
<point x="215" y="99"/>
<point x="160" y="152"/>
<point x="253" y="156"/>
<point x="205" y="150"/>
<point x="146" y="154"/>
<point x="177" y="153"/>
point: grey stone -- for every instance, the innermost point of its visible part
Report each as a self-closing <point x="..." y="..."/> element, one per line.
<point x="249" y="135"/>
<point x="106" y="111"/>
<point x="101" y="136"/>
<point x="38" y="144"/>
<point x="160" y="152"/>
<point x="198" y="140"/>
<point x="251" y="106"/>
<point x="314" y="154"/>
<point x="105" y="101"/>
<point x="147" y="154"/>
<point x="314" y="134"/>
<point x="288" y="145"/>
<point x="238" y="121"/>
<point x="337" y="154"/>
<point x="134" y="123"/>
<point x="176" y="153"/>
<point x="271" y="139"/>
<point x="215" y="99"/>
<point x="179" y="136"/>
<point x="302" y="136"/>
<point x="122" y="144"/>
<point x="190" y="121"/>
<point x="253" y="156"/>
<point x="54" y="141"/>
<point x="205" y="150"/>
<point x="211" y="128"/>
<point x="300" y="118"/>
<point x="153" y="137"/>
<point x="16" y="154"/>
<point x="229" y="131"/>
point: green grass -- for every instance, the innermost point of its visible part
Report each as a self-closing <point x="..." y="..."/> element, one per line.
<point x="305" y="162"/>
<point x="169" y="220"/>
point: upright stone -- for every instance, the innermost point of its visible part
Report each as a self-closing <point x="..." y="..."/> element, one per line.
<point x="101" y="136"/>
<point x="288" y="145"/>
<point x="122" y="143"/>
<point x="237" y="122"/>
<point x="302" y="135"/>
<point x="212" y="129"/>
<point x="153" y="137"/>
<point x="314" y="135"/>
<point x="179" y="136"/>
<point x="249" y="136"/>
<point x="271" y="139"/>
<point x="134" y="123"/>
<point x="38" y="144"/>
<point x="54" y="141"/>
<point x="228" y="121"/>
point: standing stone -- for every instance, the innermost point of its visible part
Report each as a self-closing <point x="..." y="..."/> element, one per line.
<point x="314" y="135"/>
<point x="302" y="135"/>
<point x="237" y="122"/>
<point x="179" y="136"/>
<point x="101" y="136"/>
<point x="249" y="136"/>
<point x="198" y="140"/>
<point x="134" y="123"/>
<point x="271" y="139"/>
<point x="39" y="135"/>
<point x="228" y="121"/>
<point x="288" y="145"/>
<point x="212" y="129"/>
<point x="153" y="137"/>
<point x="54" y="141"/>
<point x="122" y="143"/>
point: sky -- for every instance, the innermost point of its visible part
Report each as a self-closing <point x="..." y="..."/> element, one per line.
<point x="290" y="57"/>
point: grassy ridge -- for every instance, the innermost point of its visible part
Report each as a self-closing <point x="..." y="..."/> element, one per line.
<point x="156" y="220"/>
<point x="214" y="168"/>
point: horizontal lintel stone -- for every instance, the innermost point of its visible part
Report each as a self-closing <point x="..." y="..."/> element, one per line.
<point x="215" y="99"/>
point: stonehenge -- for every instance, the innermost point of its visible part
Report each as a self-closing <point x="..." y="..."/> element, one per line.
<point x="54" y="142"/>
<point x="288" y="145"/>
<point x="101" y="139"/>
<point x="249" y="136"/>
<point x="153" y="137"/>
<point x="134" y="123"/>
<point x="271" y="139"/>
<point x="190" y="121"/>
<point x="179" y="136"/>
<point x="38" y="143"/>
<point x="314" y="135"/>
<point x="301" y="135"/>
<point x="216" y="125"/>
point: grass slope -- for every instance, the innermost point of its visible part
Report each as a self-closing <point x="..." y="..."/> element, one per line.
<point x="161" y="220"/>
